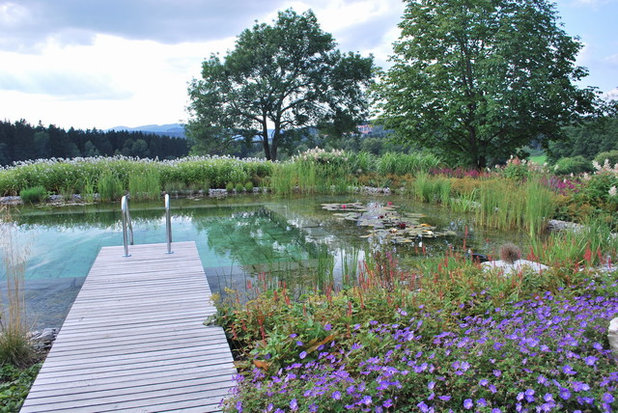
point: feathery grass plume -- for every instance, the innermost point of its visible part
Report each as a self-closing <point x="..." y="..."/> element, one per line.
<point x="15" y="347"/>
<point x="510" y="252"/>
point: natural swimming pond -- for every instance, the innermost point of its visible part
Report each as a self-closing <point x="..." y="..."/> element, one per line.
<point x="238" y="238"/>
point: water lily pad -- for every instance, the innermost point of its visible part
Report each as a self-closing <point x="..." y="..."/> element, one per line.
<point x="386" y="223"/>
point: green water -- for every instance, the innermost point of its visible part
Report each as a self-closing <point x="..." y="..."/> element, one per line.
<point x="238" y="238"/>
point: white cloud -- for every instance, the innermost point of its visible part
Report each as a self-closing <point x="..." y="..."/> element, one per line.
<point x="13" y="14"/>
<point x="71" y="76"/>
<point x="111" y="82"/>
<point x="590" y="3"/>
<point x="612" y="94"/>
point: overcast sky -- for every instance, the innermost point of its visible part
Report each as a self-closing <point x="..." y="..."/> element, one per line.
<point x="105" y="63"/>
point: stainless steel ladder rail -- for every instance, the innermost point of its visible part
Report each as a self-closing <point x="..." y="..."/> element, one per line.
<point x="168" y="224"/>
<point x="127" y="226"/>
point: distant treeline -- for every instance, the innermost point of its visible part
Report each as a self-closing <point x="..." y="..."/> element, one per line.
<point x="21" y="141"/>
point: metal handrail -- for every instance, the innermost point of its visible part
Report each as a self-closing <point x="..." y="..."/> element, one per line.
<point x="126" y="225"/>
<point x="168" y="224"/>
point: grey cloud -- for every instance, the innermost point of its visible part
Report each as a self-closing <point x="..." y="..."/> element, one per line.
<point x="26" y="23"/>
<point x="368" y="34"/>
<point x="63" y="85"/>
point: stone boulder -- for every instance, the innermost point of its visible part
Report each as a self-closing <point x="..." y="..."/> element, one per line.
<point x="612" y="336"/>
<point x="515" y="267"/>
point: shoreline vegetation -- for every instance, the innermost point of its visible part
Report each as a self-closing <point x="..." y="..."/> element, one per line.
<point x="517" y="195"/>
<point x="442" y="334"/>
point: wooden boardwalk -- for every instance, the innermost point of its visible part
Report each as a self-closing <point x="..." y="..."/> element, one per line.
<point x="134" y="339"/>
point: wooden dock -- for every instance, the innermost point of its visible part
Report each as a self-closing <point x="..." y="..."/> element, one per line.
<point x="134" y="339"/>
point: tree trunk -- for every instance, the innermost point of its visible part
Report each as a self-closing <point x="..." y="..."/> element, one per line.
<point x="481" y="162"/>
<point x="276" y="138"/>
<point x="265" y="141"/>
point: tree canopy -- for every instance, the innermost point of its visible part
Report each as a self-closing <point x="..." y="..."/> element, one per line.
<point x="475" y="79"/>
<point x="278" y="77"/>
<point x="20" y="141"/>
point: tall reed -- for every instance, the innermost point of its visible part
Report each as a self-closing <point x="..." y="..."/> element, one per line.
<point x="540" y="206"/>
<point x="307" y="176"/>
<point x="283" y="179"/>
<point x="145" y="185"/>
<point x="465" y="202"/>
<point x="429" y="189"/>
<point x="592" y="244"/>
<point x="423" y="188"/>
<point x="501" y="205"/>
<point x="110" y="186"/>
<point x="15" y="348"/>
<point x="87" y="189"/>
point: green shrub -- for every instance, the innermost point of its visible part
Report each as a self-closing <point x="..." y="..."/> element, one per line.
<point x="574" y="165"/>
<point x="249" y="186"/>
<point x="87" y="190"/>
<point x="515" y="169"/>
<point x="229" y="187"/>
<point x="611" y="156"/>
<point x="239" y="187"/>
<point x="33" y="195"/>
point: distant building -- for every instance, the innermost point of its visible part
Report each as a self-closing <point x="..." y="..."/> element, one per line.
<point x="364" y="129"/>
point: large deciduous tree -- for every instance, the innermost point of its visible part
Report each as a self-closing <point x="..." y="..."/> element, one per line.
<point x="476" y="79"/>
<point x="277" y="78"/>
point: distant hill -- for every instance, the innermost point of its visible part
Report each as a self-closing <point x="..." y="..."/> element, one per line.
<point x="175" y="130"/>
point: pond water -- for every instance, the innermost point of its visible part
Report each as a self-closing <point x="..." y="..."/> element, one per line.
<point x="238" y="238"/>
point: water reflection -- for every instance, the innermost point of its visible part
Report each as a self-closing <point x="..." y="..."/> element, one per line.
<point x="245" y="244"/>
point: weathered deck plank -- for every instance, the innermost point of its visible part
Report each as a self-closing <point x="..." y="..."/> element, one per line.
<point x="134" y="339"/>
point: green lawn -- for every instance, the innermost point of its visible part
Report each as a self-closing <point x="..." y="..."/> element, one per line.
<point x="540" y="159"/>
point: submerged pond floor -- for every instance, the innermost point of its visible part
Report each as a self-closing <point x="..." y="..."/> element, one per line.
<point x="239" y="239"/>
